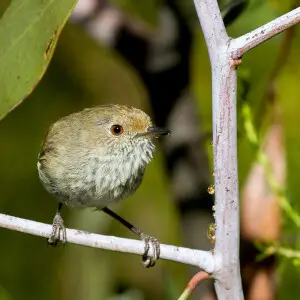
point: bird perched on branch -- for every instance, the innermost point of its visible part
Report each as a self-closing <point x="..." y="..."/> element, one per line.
<point x="95" y="158"/>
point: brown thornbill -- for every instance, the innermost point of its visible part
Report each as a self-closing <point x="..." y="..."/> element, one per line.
<point x="96" y="157"/>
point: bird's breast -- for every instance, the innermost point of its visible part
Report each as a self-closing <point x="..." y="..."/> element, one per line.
<point x="106" y="181"/>
<point x="94" y="180"/>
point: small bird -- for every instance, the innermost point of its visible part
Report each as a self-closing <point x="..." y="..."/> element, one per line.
<point x="95" y="158"/>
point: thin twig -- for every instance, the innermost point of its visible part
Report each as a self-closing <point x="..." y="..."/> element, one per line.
<point x="285" y="252"/>
<point x="193" y="283"/>
<point x="239" y="46"/>
<point x="201" y="259"/>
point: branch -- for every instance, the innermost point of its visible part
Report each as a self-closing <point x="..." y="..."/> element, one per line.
<point x="212" y="26"/>
<point x="201" y="259"/>
<point x="225" y="54"/>
<point x="239" y="46"/>
<point x="227" y="270"/>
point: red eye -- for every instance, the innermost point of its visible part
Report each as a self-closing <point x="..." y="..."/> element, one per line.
<point x="116" y="129"/>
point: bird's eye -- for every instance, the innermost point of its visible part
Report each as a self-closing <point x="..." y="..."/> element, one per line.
<point x="116" y="129"/>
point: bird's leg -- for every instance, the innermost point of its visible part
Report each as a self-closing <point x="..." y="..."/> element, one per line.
<point x="148" y="240"/>
<point x="58" y="229"/>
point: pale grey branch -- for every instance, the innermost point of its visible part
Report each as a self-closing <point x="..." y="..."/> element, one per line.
<point x="227" y="270"/>
<point x="225" y="54"/>
<point x="201" y="259"/>
<point x="239" y="46"/>
<point x="212" y="26"/>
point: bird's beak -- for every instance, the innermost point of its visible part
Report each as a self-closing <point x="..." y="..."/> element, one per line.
<point x="155" y="130"/>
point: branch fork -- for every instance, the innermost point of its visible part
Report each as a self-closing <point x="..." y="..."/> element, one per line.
<point x="225" y="55"/>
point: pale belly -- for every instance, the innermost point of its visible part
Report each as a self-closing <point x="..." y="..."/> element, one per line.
<point x="93" y="186"/>
<point x="95" y="195"/>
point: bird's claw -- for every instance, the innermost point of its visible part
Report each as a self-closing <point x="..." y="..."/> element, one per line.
<point x="58" y="231"/>
<point x="149" y="261"/>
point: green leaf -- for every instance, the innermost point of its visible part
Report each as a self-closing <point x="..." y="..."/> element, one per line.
<point x="29" y="30"/>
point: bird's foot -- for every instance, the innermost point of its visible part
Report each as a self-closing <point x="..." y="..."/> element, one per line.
<point x="149" y="261"/>
<point x="58" y="231"/>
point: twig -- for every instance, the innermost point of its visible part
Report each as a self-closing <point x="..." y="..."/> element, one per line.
<point x="193" y="283"/>
<point x="201" y="259"/>
<point x="239" y="46"/>
<point x="285" y="252"/>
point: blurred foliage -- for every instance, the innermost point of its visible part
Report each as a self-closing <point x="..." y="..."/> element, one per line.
<point x="231" y="9"/>
<point x="283" y="6"/>
<point x="29" y="30"/>
<point x="146" y="10"/>
<point x="83" y="74"/>
<point x="288" y="92"/>
<point x="291" y="211"/>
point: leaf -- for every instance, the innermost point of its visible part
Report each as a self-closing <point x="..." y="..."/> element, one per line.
<point x="29" y="30"/>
